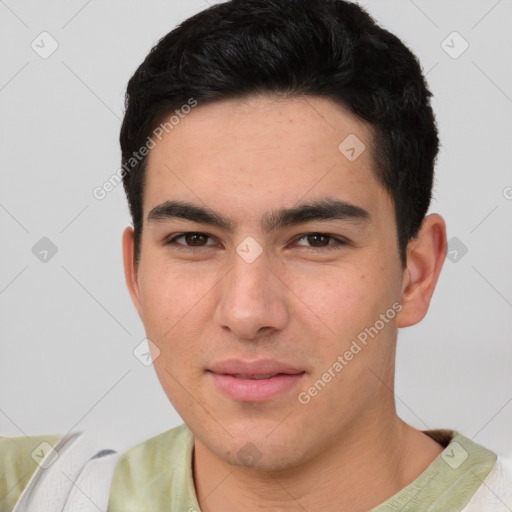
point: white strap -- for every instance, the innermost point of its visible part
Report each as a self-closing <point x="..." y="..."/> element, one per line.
<point x="56" y="476"/>
<point x="495" y="492"/>
<point x="91" y="491"/>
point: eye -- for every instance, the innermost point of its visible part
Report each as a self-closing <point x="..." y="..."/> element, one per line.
<point x="191" y="239"/>
<point x="320" y="241"/>
<point x="313" y="241"/>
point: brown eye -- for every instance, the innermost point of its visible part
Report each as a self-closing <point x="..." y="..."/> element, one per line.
<point x="318" y="240"/>
<point x="195" y="239"/>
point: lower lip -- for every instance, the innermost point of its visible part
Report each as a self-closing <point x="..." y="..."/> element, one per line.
<point x="255" y="390"/>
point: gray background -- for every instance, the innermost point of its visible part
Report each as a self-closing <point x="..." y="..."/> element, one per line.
<point x="67" y="325"/>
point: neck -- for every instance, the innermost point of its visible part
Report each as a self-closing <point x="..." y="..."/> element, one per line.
<point x="366" y="465"/>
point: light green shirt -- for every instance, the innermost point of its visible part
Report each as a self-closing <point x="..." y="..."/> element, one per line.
<point x="18" y="456"/>
<point x="156" y="475"/>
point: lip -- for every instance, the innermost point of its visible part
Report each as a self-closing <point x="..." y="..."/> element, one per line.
<point x="257" y="367"/>
<point x="235" y="378"/>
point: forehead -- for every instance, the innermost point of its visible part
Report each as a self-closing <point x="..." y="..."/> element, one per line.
<point x="246" y="155"/>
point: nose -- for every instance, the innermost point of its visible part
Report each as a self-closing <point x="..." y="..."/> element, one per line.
<point x="252" y="304"/>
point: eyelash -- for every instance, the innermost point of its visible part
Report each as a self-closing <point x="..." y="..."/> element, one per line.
<point x="339" y="242"/>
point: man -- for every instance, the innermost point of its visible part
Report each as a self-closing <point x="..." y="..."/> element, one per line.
<point x="278" y="161"/>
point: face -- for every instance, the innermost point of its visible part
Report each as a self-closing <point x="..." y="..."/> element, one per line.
<point x="273" y="319"/>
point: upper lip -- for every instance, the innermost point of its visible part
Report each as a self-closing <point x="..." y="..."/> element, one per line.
<point x="258" y="367"/>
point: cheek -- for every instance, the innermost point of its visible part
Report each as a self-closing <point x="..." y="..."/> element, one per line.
<point x="342" y="300"/>
<point x="164" y="300"/>
<point x="176" y="305"/>
<point x="172" y="305"/>
<point x="167" y="292"/>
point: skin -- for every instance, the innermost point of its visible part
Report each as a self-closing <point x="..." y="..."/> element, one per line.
<point x="346" y="448"/>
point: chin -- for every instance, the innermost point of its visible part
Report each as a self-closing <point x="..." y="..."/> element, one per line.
<point x="253" y="448"/>
<point x="262" y="458"/>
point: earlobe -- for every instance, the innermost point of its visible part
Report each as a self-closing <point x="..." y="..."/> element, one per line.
<point x="130" y="269"/>
<point x="425" y="258"/>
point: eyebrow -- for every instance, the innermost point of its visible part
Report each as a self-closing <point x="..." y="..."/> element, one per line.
<point x="327" y="209"/>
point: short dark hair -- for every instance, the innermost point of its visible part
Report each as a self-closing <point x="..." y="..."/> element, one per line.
<point x="327" y="48"/>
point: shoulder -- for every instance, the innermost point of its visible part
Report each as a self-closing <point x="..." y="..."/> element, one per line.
<point x="159" y="462"/>
<point x="490" y="473"/>
<point x="159" y="452"/>
<point x="19" y="459"/>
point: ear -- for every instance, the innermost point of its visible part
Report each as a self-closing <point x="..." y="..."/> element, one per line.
<point x="130" y="269"/>
<point x="425" y="257"/>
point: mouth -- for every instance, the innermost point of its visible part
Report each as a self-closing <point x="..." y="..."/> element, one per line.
<point x="256" y="381"/>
